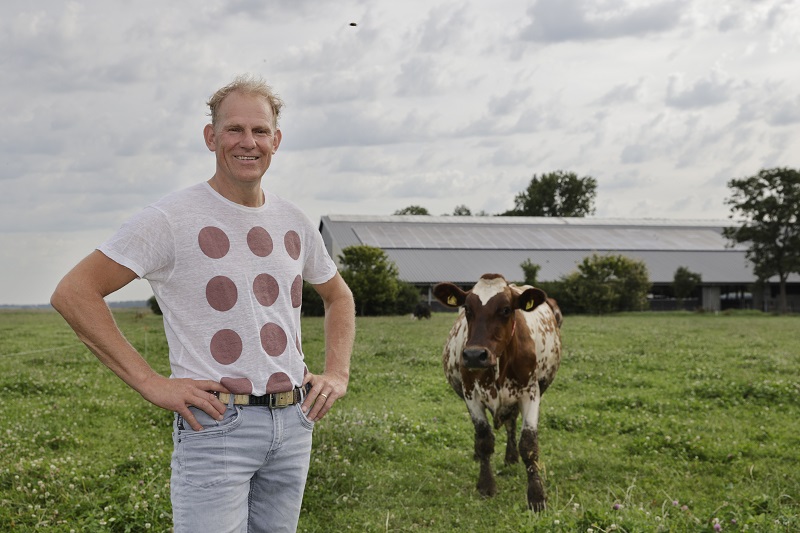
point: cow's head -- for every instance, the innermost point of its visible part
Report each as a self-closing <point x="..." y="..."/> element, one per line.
<point x="490" y="309"/>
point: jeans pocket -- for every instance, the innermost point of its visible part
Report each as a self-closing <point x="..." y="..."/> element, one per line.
<point x="202" y="455"/>
<point x="304" y="420"/>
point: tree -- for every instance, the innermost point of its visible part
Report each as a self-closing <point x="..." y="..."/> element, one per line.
<point x="608" y="283"/>
<point x="152" y="303"/>
<point x="556" y="194"/>
<point x="372" y="278"/>
<point x="462" y="211"/>
<point x="769" y="204"/>
<point x="531" y="271"/>
<point x="684" y="283"/>
<point x="412" y="210"/>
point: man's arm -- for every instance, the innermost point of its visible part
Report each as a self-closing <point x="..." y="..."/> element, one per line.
<point x="79" y="299"/>
<point x="340" y="331"/>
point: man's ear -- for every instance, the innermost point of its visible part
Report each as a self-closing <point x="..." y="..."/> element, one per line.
<point x="276" y="140"/>
<point x="210" y="137"/>
<point x="449" y="294"/>
<point x="530" y="299"/>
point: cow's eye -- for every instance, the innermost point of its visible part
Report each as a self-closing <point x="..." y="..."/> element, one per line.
<point x="467" y="312"/>
<point x="507" y="312"/>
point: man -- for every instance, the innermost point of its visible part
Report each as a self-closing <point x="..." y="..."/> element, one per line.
<point x="226" y="261"/>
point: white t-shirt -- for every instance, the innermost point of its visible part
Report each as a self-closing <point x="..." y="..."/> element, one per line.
<point x="229" y="281"/>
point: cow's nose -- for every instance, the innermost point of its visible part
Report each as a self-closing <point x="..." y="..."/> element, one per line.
<point x="476" y="357"/>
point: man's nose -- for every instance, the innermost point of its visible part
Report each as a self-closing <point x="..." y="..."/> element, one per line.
<point x="248" y="140"/>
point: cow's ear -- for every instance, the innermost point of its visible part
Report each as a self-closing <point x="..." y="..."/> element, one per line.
<point x="449" y="294"/>
<point x="530" y="299"/>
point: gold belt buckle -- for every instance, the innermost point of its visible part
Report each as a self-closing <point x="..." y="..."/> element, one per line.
<point x="284" y="399"/>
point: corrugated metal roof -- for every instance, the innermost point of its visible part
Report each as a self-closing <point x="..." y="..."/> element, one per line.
<point x="429" y="249"/>
<point x="466" y="266"/>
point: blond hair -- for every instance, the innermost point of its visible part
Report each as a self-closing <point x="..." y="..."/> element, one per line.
<point x="250" y="85"/>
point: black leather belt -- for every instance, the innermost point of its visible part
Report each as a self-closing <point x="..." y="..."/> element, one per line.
<point x="274" y="400"/>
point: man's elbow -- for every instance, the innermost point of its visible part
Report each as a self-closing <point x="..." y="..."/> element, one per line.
<point x="60" y="297"/>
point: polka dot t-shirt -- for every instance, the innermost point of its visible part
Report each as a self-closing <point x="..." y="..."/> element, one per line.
<point x="229" y="280"/>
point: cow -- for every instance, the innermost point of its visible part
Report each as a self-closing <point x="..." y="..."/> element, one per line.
<point x="422" y="310"/>
<point x="502" y="354"/>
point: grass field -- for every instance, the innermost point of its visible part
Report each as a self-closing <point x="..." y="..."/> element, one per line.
<point x="656" y="422"/>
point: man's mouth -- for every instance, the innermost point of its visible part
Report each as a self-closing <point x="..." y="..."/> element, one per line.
<point x="245" y="158"/>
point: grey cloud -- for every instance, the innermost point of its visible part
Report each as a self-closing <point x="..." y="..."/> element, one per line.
<point x="705" y="92"/>
<point x="634" y="153"/>
<point x="419" y="76"/>
<point x="622" y="93"/>
<point x="784" y="112"/>
<point x="509" y="102"/>
<point x="444" y="28"/>
<point x="585" y="20"/>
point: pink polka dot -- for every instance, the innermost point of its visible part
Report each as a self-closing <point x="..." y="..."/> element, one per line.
<point x="297" y="292"/>
<point x="292" y="243"/>
<point x="279" y="382"/>
<point x="273" y="339"/>
<point x="213" y="242"/>
<point x="221" y="293"/>
<point x="266" y="289"/>
<point x="226" y="346"/>
<point x="237" y="385"/>
<point x="259" y="241"/>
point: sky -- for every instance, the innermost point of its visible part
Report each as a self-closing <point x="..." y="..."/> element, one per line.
<point x="432" y="103"/>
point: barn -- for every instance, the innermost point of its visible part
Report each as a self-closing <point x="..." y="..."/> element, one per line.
<point x="431" y="249"/>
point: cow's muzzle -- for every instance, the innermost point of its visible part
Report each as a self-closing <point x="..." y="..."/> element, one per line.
<point x="477" y="358"/>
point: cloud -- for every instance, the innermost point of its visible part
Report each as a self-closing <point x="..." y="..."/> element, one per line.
<point x="622" y="93"/>
<point x="709" y="91"/>
<point x="554" y="21"/>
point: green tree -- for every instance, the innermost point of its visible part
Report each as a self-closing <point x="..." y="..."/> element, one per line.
<point x="685" y="282"/>
<point x="412" y="210"/>
<point x="152" y="303"/>
<point x="608" y="283"/>
<point x="372" y="278"/>
<point x="531" y="271"/>
<point x="462" y="211"/>
<point x="768" y="204"/>
<point x="556" y="194"/>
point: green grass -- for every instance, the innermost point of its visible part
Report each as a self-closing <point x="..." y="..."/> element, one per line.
<point x="656" y="422"/>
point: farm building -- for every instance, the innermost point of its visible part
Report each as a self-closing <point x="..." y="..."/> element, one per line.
<point x="430" y="249"/>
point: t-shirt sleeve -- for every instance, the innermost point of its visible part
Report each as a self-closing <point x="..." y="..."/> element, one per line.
<point x="318" y="267"/>
<point x="145" y="244"/>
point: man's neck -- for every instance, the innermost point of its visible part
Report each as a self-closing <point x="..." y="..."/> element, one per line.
<point x="248" y="195"/>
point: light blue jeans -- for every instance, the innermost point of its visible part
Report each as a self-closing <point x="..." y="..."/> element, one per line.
<point x="245" y="473"/>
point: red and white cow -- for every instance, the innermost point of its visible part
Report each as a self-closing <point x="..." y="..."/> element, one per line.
<point x="502" y="354"/>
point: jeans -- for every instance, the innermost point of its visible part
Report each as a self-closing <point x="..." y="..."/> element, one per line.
<point x="245" y="473"/>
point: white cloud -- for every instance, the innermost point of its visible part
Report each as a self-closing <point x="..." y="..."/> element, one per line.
<point x="587" y="20"/>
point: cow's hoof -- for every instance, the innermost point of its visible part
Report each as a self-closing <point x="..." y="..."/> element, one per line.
<point x="537" y="506"/>
<point x="512" y="458"/>
<point x="487" y="490"/>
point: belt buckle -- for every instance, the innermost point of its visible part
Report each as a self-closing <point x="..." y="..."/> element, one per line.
<point x="283" y="399"/>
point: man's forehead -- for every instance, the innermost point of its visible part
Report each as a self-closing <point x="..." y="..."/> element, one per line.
<point x="238" y="107"/>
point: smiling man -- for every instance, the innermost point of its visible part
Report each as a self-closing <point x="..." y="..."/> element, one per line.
<point x="226" y="261"/>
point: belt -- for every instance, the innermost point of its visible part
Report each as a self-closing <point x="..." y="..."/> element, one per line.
<point x="274" y="400"/>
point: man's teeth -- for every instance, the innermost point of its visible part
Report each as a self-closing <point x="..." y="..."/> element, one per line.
<point x="246" y="158"/>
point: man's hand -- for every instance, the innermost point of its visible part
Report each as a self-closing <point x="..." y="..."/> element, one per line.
<point x="178" y="394"/>
<point x="325" y="390"/>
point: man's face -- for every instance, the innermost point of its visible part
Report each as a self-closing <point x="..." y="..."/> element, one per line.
<point x="244" y="138"/>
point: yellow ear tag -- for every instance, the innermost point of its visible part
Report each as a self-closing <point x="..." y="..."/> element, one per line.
<point x="529" y="305"/>
<point x="451" y="300"/>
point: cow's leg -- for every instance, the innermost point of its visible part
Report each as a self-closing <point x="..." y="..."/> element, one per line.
<point x="512" y="455"/>
<point x="529" y="449"/>
<point x="484" y="448"/>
